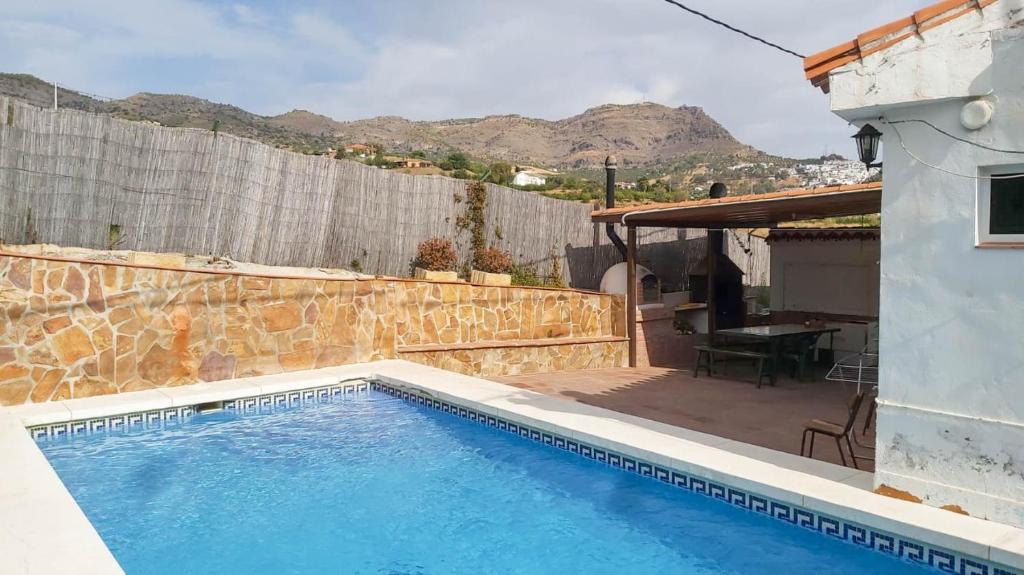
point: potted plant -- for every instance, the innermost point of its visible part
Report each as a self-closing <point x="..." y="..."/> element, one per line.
<point x="436" y="260"/>
<point x="491" y="266"/>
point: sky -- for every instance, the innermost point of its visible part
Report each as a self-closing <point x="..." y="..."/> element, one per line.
<point x="551" y="59"/>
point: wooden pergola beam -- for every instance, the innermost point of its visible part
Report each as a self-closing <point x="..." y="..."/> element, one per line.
<point x="752" y="210"/>
<point x="631" y="292"/>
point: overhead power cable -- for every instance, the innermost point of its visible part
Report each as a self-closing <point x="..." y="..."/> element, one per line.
<point x="733" y="28"/>
<point x="957" y="138"/>
<point x="903" y="145"/>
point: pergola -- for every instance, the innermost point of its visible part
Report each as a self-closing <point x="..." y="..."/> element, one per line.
<point x="748" y="211"/>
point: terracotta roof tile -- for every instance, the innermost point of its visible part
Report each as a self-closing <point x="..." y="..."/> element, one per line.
<point x="817" y="66"/>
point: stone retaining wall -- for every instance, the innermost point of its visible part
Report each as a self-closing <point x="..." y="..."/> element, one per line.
<point x="77" y="329"/>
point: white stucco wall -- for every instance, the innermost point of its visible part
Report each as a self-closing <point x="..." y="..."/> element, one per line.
<point x="825" y="276"/>
<point x="829" y="277"/>
<point x="948" y="61"/>
<point x="951" y="399"/>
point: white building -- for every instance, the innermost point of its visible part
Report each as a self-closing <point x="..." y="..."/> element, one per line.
<point x="828" y="275"/>
<point x="951" y="393"/>
<point x="528" y="179"/>
<point x="834" y="173"/>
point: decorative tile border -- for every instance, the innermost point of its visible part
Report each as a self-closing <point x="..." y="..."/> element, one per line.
<point x="294" y="398"/>
<point x="939" y="558"/>
<point x="154" y="419"/>
<point x="158" y="418"/>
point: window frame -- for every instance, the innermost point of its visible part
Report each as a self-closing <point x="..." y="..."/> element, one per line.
<point x="983" y="207"/>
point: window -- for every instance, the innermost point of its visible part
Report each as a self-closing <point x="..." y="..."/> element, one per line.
<point x="1001" y="207"/>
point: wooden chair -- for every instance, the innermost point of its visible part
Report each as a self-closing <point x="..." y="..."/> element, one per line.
<point x="834" y="430"/>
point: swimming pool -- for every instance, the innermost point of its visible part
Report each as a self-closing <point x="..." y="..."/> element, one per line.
<point x="372" y="483"/>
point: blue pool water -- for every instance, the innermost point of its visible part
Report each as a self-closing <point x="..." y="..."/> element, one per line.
<point x="376" y="485"/>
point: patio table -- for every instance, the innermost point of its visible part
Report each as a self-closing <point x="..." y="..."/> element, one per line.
<point x="773" y="336"/>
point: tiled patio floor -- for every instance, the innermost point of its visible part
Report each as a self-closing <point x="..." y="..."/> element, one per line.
<point x="771" y="417"/>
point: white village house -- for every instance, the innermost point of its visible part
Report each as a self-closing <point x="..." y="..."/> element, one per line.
<point x="945" y="87"/>
<point x="527" y="178"/>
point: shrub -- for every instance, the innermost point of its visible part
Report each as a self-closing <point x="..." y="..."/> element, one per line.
<point x="492" y="260"/>
<point x="436" y="254"/>
<point x="555" y="273"/>
<point x="525" y="275"/>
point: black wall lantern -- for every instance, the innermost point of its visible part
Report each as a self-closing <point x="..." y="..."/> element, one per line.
<point x="868" y="139"/>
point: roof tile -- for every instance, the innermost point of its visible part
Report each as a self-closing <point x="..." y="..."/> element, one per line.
<point x="817" y="66"/>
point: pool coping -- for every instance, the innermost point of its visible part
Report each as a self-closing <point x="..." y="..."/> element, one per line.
<point x="27" y="534"/>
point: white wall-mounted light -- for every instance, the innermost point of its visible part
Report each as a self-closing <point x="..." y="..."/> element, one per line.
<point x="976" y="114"/>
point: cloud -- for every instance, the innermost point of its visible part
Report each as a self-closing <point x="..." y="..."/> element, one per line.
<point x="455" y="58"/>
<point x="248" y="15"/>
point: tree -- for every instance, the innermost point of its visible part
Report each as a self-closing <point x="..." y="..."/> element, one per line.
<point x="455" y="161"/>
<point x="501" y="173"/>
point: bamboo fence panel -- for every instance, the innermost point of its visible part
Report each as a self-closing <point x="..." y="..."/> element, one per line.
<point x="67" y="176"/>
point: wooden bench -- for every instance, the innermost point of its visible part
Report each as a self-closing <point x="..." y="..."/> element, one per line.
<point x="706" y="359"/>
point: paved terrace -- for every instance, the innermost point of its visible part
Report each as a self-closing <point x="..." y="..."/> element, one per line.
<point x="732" y="408"/>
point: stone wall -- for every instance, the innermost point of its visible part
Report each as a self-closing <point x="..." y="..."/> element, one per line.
<point x="535" y="357"/>
<point x="77" y="329"/>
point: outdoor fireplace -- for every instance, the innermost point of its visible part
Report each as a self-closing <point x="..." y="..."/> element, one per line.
<point x="730" y="309"/>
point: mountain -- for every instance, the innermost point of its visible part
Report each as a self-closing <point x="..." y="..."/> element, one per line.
<point x="638" y="134"/>
<point x="40" y="93"/>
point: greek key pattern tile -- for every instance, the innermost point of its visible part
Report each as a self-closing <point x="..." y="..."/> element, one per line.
<point x="158" y="418"/>
<point x="154" y="419"/>
<point x="941" y="559"/>
<point x="263" y="403"/>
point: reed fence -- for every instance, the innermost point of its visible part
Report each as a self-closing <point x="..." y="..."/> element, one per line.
<point x="75" y="178"/>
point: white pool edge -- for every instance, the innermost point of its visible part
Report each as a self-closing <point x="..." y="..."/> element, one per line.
<point x="28" y="539"/>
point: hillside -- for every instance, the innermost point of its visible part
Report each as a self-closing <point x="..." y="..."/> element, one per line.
<point x="639" y="134"/>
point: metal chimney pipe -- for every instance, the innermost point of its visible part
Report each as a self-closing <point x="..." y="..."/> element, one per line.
<point x="714" y="251"/>
<point x="715" y="237"/>
<point x="609" y="202"/>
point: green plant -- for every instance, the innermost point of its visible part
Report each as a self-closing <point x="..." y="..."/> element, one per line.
<point x="436" y="254"/>
<point x="473" y="218"/>
<point x="554" y="278"/>
<point x="31" y="233"/>
<point x="357" y="263"/>
<point x="525" y="275"/>
<point x="455" y="161"/>
<point x="492" y="260"/>
<point x="501" y="173"/>
<point x="114" y="237"/>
